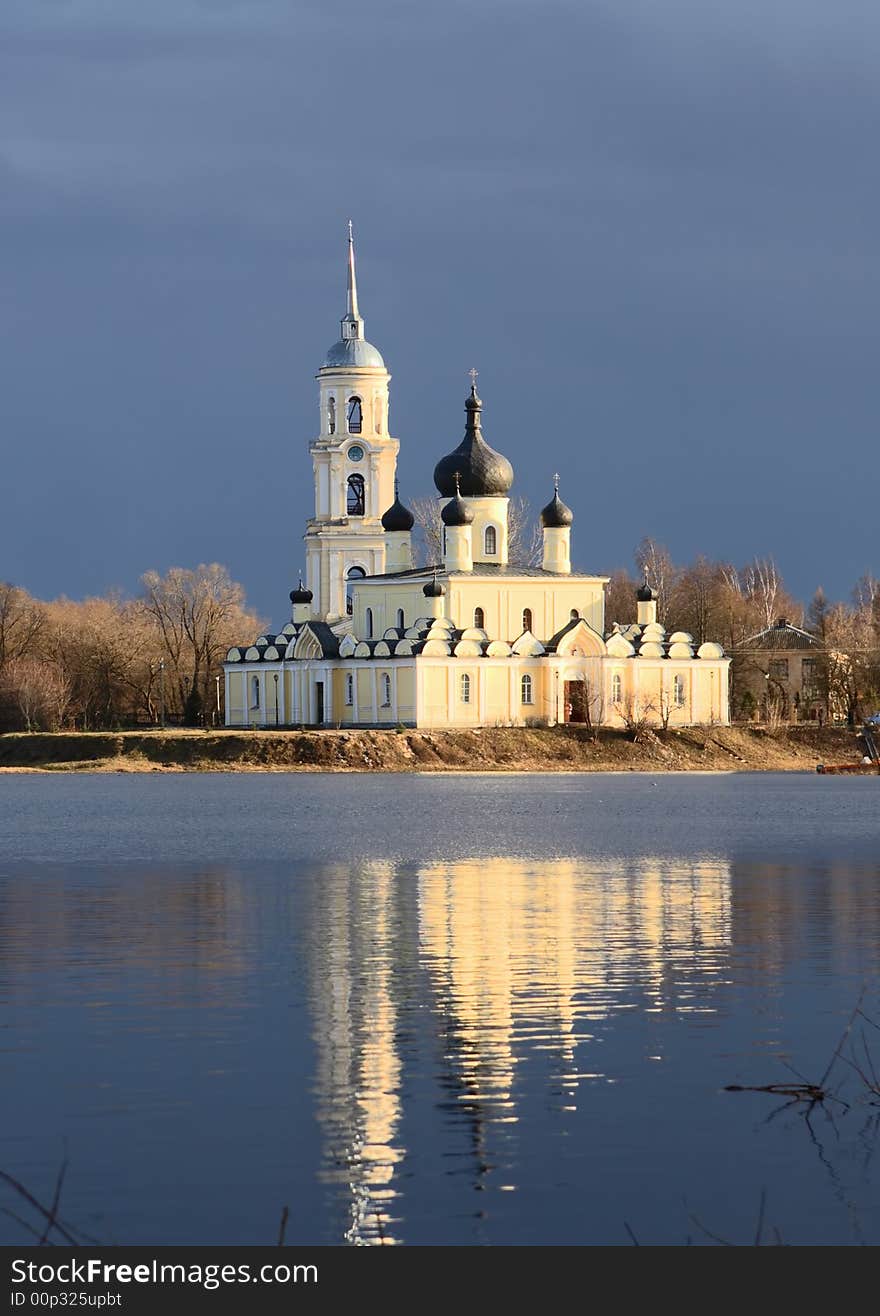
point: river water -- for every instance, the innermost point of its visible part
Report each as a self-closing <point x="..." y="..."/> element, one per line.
<point x="438" y="1009"/>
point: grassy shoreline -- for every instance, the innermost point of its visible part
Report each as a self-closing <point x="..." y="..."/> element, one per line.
<point x="490" y="749"/>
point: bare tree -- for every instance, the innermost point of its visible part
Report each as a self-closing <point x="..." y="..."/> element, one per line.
<point x="525" y="538"/>
<point x="22" y="620"/>
<point x="763" y="587"/>
<point x="428" y="531"/>
<point x="636" y="716"/>
<point x="654" y="562"/>
<point x="199" y="614"/>
<point x="37" y="690"/>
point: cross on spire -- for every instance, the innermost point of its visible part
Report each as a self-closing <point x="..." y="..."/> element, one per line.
<point x="473" y="374"/>
<point x="556" y="481"/>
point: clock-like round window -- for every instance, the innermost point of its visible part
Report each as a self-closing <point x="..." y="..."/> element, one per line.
<point x="355" y="453"/>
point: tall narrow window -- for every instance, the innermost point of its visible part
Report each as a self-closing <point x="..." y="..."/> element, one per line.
<point x="349" y="689"/>
<point x="490" y="541"/>
<point x="616" y="688"/>
<point x="331" y="416"/>
<point x="465" y="688"/>
<point x="527" y="619"/>
<point x="526" y="689"/>
<point x="255" y="692"/>
<point x="355" y="416"/>
<point x="400" y="621"/>
<point x="356" y="495"/>
<point x="678" y="691"/>
<point x="368" y="618"/>
<point x="386" y="691"/>
<point x="353" y="573"/>
<point x="479" y="619"/>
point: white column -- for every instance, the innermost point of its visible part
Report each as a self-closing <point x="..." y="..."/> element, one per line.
<point x="394" y="717"/>
<point x="375" y="682"/>
<point x="481" y="697"/>
<point x="354" y="695"/>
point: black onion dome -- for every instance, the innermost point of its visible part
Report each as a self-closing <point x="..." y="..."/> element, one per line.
<point x="481" y="470"/>
<point x="433" y="589"/>
<point x="644" y="594"/>
<point x="556" y="515"/>
<point x="398" y="517"/>
<point x="457" y="512"/>
<point x="301" y="594"/>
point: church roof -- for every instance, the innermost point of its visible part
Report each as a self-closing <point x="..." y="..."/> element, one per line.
<point x="497" y="570"/>
<point x="782" y="635"/>
<point x="353" y="352"/>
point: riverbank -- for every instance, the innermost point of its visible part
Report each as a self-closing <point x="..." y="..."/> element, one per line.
<point x="490" y="749"/>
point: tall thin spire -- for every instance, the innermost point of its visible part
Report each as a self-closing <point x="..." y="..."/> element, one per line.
<point x="352" y="312"/>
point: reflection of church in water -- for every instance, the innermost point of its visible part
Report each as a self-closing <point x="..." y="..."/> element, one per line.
<point x="468" y="970"/>
<point x="470" y="639"/>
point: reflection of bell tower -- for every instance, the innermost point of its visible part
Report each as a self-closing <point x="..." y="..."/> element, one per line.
<point x="354" y="461"/>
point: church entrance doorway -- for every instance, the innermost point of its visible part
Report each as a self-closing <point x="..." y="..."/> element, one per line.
<point x="319" y="703"/>
<point x="575" y="702"/>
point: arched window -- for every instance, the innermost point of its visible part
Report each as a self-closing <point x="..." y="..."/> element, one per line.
<point x="401" y="625"/>
<point x="465" y="688"/>
<point x="349" y="689"/>
<point x="574" y="615"/>
<point x="331" y="415"/>
<point x="353" y="573"/>
<point x="490" y="541"/>
<point x="386" y="691"/>
<point x="678" y="691"/>
<point x="255" y="692"/>
<point x="355" y="416"/>
<point x="527" y="619"/>
<point x="526" y="684"/>
<point x="368" y="618"/>
<point x="479" y="619"/>
<point x="356" y="495"/>
<point x="616" y="688"/>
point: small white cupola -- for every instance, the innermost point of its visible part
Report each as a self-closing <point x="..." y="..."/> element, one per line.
<point x="556" y="521"/>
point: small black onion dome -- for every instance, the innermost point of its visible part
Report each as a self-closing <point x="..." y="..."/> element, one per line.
<point x="481" y="470"/>
<point x="301" y="595"/>
<point x="433" y="589"/>
<point x="457" y="512"/>
<point x="556" y="515"/>
<point x="644" y="594"/>
<point x="398" y="517"/>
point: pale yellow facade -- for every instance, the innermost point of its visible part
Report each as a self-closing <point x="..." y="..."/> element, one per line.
<point x="469" y="640"/>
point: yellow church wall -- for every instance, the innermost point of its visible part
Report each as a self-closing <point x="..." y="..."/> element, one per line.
<point x="236" y="709"/>
<point x="384" y="600"/>
<point x="406" y="693"/>
<point x="648" y="689"/>
<point x="551" y="601"/>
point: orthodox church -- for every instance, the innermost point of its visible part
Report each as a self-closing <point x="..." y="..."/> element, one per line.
<point x="470" y="640"/>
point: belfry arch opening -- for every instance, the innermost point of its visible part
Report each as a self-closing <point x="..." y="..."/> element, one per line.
<point x="355" y="415"/>
<point x="353" y="574"/>
<point x="356" y="496"/>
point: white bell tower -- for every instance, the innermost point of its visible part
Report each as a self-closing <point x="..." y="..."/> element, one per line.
<point x="354" y="461"/>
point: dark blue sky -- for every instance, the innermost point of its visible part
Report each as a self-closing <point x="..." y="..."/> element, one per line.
<point x="652" y="227"/>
